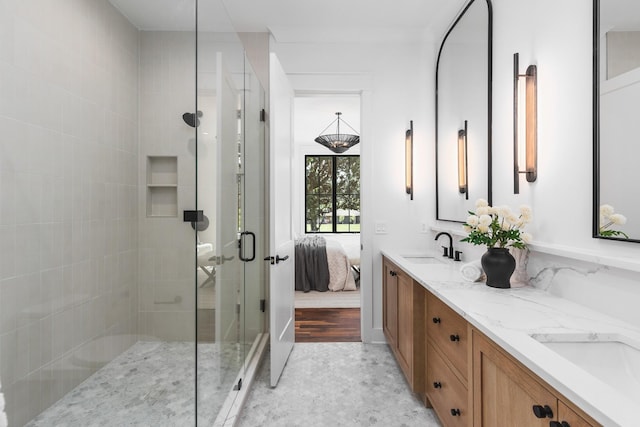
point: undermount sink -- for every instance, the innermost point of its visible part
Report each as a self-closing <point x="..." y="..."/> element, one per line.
<point x="612" y="358"/>
<point x="422" y="259"/>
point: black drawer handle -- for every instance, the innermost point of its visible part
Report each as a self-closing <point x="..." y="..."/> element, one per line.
<point x="455" y="412"/>
<point x="437" y="384"/>
<point x="542" y="411"/>
<point x="559" y="424"/>
<point x="454" y="338"/>
<point x="393" y="273"/>
<point x="436" y="320"/>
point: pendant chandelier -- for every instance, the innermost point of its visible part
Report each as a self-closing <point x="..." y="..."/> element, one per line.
<point x="338" y="142"/>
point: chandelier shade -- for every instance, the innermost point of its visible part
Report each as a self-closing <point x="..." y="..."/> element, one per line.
<point x="338" y="142"/>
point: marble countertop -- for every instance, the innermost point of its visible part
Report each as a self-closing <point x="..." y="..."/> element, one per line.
<point x="511" y="316"/>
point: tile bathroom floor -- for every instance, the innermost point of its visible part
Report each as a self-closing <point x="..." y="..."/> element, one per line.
<point x="335" y="384"/>
<point x="151" y="384"/>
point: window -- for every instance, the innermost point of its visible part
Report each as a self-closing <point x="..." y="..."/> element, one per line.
<point x="332" y="194"/>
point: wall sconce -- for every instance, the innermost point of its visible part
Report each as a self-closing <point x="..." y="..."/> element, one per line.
<point x="462" y="162"/>
<point x="408" y="160"/>
<point x="530" y="123"/>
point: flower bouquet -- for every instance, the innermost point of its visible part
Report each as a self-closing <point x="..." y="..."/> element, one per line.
<point x="498" y="228"/>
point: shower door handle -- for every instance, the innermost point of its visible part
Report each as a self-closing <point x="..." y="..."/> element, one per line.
<point x="253" y="246"/>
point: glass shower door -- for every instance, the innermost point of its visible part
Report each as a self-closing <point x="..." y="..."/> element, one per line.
<point x="230" y="157"/>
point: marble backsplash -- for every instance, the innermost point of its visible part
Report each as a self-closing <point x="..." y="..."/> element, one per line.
<point x="610" y="290"/>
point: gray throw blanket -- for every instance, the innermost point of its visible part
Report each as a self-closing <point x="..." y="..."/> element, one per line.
<point x="312" y="270"/>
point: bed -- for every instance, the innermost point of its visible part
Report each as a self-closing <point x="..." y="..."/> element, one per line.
<point x="323" y="265"/>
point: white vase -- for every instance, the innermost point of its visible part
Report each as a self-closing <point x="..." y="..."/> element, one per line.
<point x="519" y="278"/>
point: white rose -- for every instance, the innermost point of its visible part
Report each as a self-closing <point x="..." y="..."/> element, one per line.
<point x="526" y="237"/>
<point x="512" y="219"/>
<point x="481" y="203"/>
<point x="525" y="210"/>
<point x="606" y="210"/>
<point x="506" y="225"/>
<point x="503" y="211"/>
<point x="618" y="219"/>
<point x="483" y="210"/>
<point x="472" y="220"/>
<point x="466" y="229"/>
<point x="483" y="228"/>
<point x="485" y="220"/>
<point x="525" y="214"/>
<point x="491" y="210"/>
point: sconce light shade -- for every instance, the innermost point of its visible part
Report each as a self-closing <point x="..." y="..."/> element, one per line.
<point x="463" y="185"/>
<point x="408" y="160"/>
<point x="530" y="123"/>
<point x="338" y="142"/>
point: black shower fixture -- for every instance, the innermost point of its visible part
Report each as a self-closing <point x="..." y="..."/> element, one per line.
<point x="192" y="119"/>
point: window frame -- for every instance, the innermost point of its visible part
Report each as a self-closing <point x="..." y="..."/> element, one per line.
<point x="334" y="195"/>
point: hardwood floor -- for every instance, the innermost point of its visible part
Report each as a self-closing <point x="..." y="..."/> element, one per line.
<point x="327" y="325"/>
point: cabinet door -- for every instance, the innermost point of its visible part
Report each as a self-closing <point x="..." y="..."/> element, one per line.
<point x="405" y="322"/>
<point x="504" y="393"/>
<point x="390" y="304"/>
<point x="572" y="418"/>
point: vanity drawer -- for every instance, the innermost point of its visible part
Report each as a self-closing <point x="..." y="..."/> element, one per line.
<point x="448" y="330"/>
<point x="447" y="394"/>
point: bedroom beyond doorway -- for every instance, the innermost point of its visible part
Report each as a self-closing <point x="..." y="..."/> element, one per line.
<point x="326" y="220"/>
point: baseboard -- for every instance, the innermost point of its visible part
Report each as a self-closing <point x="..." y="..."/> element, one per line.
<point x="376" y="336"/>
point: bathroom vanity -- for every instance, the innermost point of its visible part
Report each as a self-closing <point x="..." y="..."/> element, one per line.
<point x="501" y="357"/>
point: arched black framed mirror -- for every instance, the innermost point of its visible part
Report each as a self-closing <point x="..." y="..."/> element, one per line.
<point x="616" y="102"/>
<point x="463" y="103"/>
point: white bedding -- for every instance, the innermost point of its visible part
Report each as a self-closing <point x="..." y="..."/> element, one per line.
<point x="340" y="274"/>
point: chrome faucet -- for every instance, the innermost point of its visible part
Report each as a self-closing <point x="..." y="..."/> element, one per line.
<point x="448" y="252"/>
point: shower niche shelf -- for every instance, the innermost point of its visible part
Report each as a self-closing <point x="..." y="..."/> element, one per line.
<point x="162" y="186"/>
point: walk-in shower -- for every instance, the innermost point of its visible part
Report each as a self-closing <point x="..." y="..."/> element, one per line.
<point x="114" y="310"/>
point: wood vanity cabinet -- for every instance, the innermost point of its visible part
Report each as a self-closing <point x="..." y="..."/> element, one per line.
<point x="448" y="363"/>
<point x="468" y="379"/>
<point x="403" y="322"/>
<point x="505" y="393"/>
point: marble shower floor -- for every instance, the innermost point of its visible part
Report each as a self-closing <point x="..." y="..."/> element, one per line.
<point x="151" y="384"/>
<point x="335" y="384"/>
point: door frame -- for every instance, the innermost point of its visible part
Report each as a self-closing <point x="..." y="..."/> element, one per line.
<point x="306" y="84"/>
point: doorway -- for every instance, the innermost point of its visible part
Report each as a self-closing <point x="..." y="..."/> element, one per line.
<point x="326" y="209"/>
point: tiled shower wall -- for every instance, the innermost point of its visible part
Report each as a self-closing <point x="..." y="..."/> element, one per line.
<point x="167" y="243"/>
<point x="68" y="196"/>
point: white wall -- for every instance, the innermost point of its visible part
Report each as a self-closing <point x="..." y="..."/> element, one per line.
<point x="396" y="85"/>
<point x="562" y="196"/>
<point x="560" y="44"/>
<point x="167" y="74"/>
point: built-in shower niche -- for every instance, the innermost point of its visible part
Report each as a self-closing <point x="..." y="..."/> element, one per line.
<point x="162" y="186"/>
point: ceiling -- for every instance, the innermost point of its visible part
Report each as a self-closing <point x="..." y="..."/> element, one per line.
<point x="314" y="113"/>
<point x="293" y="21"/>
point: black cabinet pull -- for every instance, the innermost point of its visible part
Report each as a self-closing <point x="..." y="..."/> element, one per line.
<point x="436" y="320"/>
<point x="437" y="384"/>
<point x="559" y="424"/>
<point x="393" y="273"/>
<point x="454" y="338"/>
<point x="455" y="412"/>
<point x="542" y="411"/>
